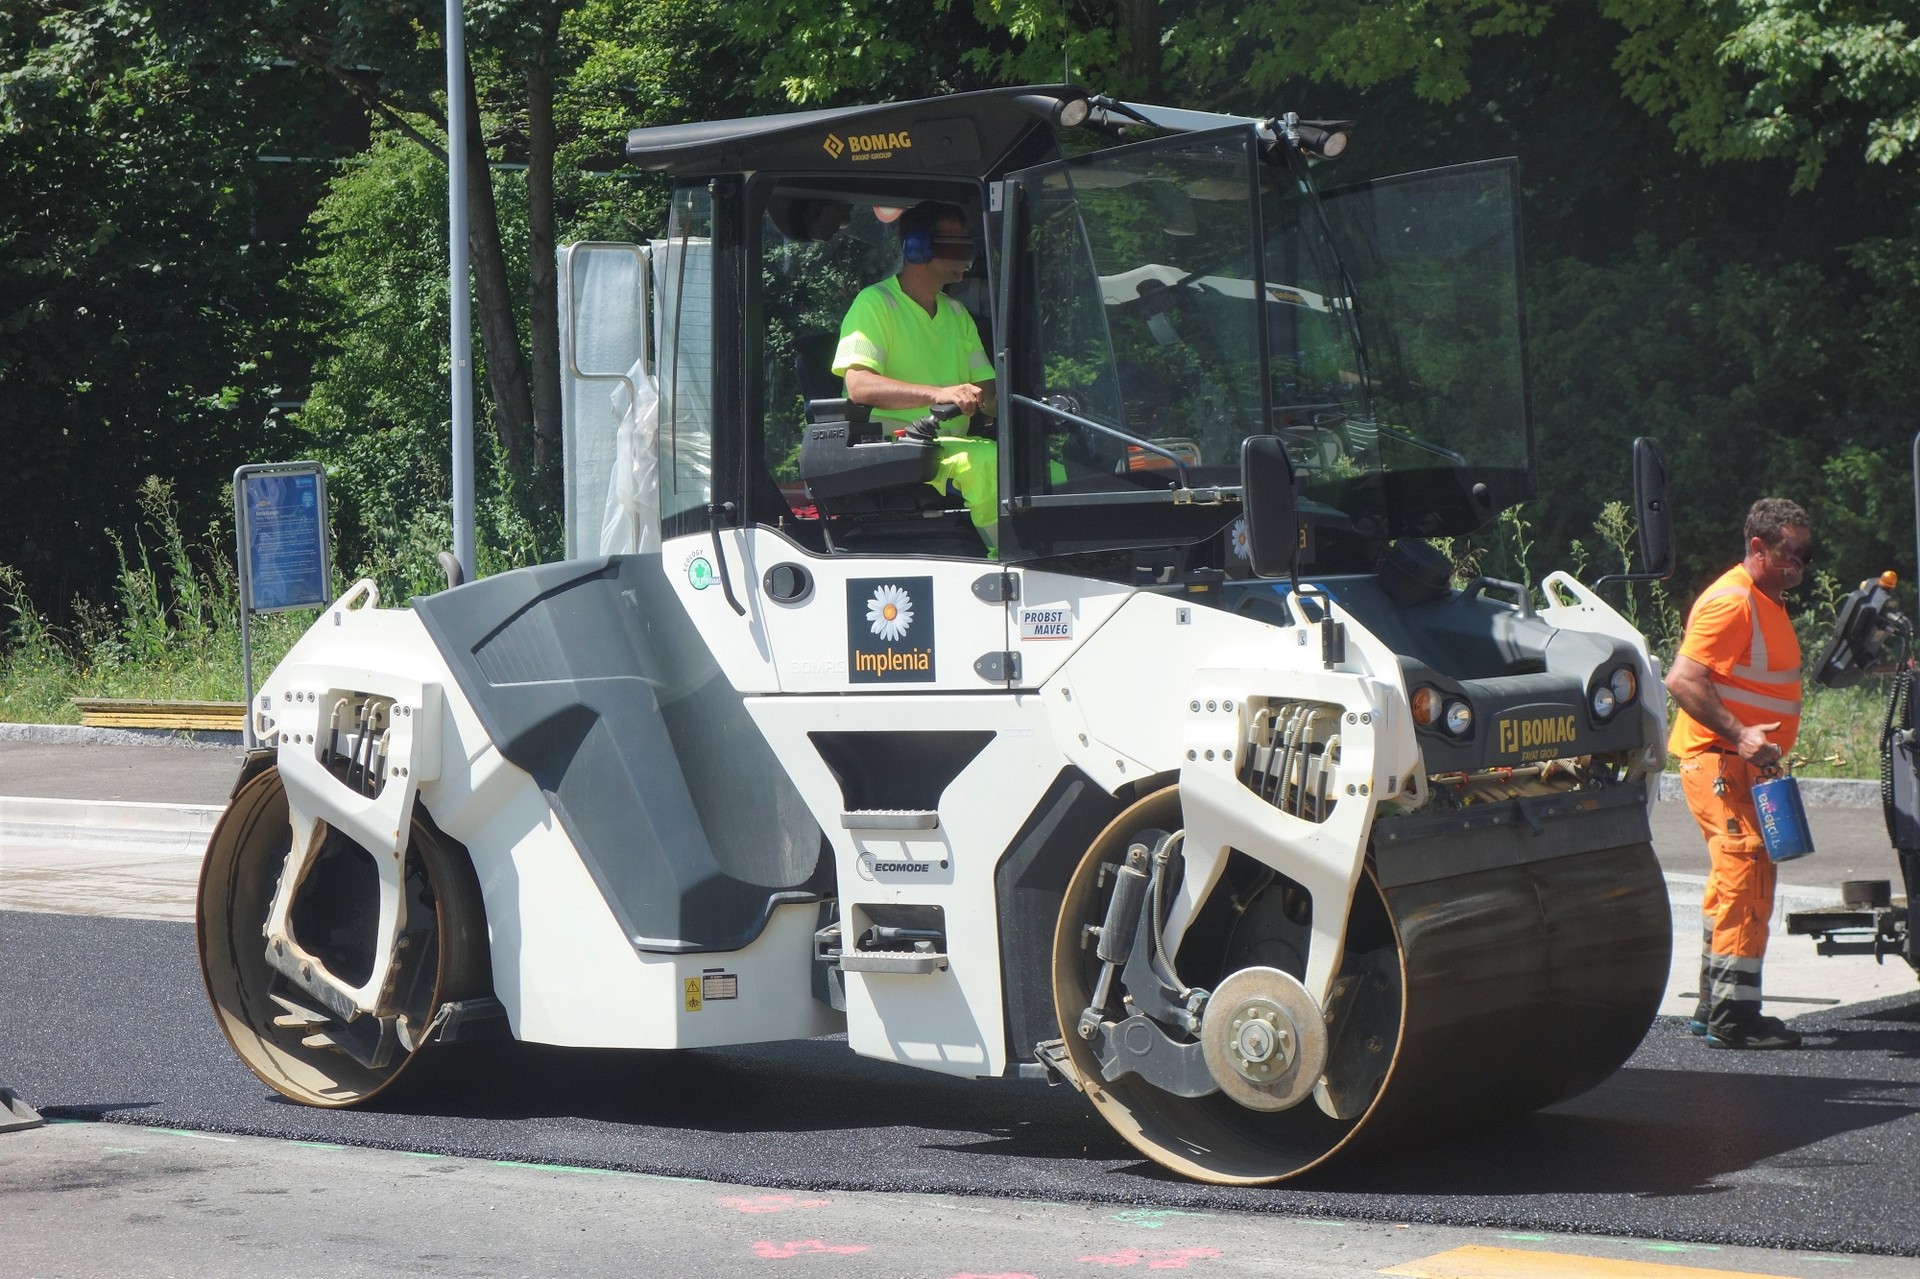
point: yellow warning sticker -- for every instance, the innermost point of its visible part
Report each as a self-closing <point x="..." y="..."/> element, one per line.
<point x="694" y="1001"/>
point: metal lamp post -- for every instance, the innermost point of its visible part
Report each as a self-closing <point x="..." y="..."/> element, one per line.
<point x="459" y="299"/>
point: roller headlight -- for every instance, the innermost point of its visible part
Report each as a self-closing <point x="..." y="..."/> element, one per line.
<point x="1603" y="702"/>
<point x="1625" y="685"/>
<point x="1459" y="718"/>
<point x="1426" y="706"/>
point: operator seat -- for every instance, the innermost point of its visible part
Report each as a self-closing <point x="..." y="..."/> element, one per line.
<point x="873" y="489"/>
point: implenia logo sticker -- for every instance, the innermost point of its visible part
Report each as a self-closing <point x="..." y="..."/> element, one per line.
<point x="890" y="630"/>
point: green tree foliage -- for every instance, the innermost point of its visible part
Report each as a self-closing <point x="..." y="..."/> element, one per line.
<point x="379" y="410"/>
<point x="689" y="66"/>
<point x="142" y="329"/>
<point x="1760" y="79"/>
<point x="1756" y="313"/>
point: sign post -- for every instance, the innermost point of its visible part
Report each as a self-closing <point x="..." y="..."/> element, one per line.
<point x="280" y="534"/>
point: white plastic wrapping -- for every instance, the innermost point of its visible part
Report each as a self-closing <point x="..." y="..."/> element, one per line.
<point x="630" y="521"/>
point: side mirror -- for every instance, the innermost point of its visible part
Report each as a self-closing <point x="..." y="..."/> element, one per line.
<point x="1650" y="499"/>
<point x="1652" y="512"/>
<point x="1268" y="504"/>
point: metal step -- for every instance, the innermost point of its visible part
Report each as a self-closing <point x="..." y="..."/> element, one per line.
<point x="890" y="819"/>
<point x="892" y="961"/>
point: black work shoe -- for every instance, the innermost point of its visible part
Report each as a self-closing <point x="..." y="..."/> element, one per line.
<point x="1762" y="1032"/>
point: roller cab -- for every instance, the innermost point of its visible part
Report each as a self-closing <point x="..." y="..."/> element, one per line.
<point x="1180" y="770"/>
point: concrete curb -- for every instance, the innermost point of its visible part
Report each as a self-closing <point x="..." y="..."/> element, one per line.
<point x="1815" y="792"/>
<point x="1687" y="890"/>
<point x="78" y="735"/>
<point x="121" y="825"/>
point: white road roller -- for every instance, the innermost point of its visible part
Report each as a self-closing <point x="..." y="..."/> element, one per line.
<point x="1204" y="792"/>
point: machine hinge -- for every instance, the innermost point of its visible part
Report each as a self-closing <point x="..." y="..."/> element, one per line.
<point x="1333" y="643"/>
<point x="998" y="668"/>
<point x="996" y="588"/>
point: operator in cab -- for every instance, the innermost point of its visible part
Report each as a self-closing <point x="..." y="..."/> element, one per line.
<point x="906" y="346"/>
<point x="1736" y="680"/>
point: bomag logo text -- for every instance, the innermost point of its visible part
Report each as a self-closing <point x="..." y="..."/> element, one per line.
<point x="1547" y="730"/>
<point x="867" y="146"/>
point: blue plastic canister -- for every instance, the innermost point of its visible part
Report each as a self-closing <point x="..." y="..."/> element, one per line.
<point x="1783" y="819"/>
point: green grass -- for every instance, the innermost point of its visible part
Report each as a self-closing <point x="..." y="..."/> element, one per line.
<point x="171" y="634"/>
<point x="1840" y="731"/>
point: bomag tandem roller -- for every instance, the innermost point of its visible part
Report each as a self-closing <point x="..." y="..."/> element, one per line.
<point x="1203" y="791"/>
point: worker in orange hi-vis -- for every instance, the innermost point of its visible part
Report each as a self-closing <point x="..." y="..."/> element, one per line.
<point x="1736" y="681"/>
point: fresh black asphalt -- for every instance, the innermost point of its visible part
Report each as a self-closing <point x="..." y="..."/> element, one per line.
<point x="105" y="1019"/>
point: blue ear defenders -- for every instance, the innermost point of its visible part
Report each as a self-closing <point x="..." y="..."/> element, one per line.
<point x="917" y="245"/>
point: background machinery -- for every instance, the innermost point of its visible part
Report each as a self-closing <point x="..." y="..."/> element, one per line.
<point x="1210" y="796"/>
<point x="1870" y="636"/>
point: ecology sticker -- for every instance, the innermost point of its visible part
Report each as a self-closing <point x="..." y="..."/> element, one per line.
<point x="700" y="573"/>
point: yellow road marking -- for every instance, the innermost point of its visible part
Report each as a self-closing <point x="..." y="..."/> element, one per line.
<point x="1476" y="1261"/>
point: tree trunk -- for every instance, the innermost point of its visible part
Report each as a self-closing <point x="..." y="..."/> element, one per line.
<point x="543" y="300"/>
<point x="499" y="332"/>
<point x="1140" y="62"/>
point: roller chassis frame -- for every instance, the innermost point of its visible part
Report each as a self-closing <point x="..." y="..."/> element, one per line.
<point x="1175" y="840"/>
<point x="565" y="968"/>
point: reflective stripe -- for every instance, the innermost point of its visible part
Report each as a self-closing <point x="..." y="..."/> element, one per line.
<point x="1759" y="670"/>
<point x="1791" y="675"/>
<point x="1772" y="705"/>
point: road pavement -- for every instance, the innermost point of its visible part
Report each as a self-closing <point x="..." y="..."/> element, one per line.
<point x="102" y="1019"/>
<point x="116" y="1200"/>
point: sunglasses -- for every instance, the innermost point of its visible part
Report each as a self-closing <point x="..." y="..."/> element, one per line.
<point x="1804" y="555"/>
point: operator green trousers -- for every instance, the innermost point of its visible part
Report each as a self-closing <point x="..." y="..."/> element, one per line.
<point x="971" y="467"/>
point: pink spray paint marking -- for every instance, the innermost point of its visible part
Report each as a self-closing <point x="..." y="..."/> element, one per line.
<point x="767" y="1203"/>
<point x="1153" y="1259"/>
<point x="803" y="1247"/>
<point x="1002" y="1274"/>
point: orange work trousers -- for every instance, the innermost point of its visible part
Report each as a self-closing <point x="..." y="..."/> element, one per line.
<point x="1739" y="897"/>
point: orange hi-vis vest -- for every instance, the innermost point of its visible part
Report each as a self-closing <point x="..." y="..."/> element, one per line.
<point x="1746" y="642"/>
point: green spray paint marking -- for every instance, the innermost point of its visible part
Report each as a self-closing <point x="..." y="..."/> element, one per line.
<point x="197" y="1136"/>
<point x="1153" y="1218"/>
<point x="537" y="1167"/>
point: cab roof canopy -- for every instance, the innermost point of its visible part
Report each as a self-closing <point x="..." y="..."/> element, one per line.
<point x="967" y="134"/>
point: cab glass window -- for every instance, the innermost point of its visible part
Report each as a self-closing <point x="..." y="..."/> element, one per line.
<point x="1143" y="269"/>
<point x="684" y="279"/>
<point x="816" y="255"/>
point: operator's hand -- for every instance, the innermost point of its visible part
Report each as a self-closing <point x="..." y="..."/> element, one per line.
<point x="966" y="396"/>
<point x="1755" y="748"/>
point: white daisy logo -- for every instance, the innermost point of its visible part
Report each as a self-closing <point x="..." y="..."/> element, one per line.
<point x="890" y="612"/>
<point x="1239" y="538"/>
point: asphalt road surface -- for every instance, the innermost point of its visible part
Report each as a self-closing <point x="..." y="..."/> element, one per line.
<point x="104" y="1018"/>
<point x="522" y="1159"/>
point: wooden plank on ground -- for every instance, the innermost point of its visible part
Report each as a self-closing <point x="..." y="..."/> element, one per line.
<point x="124" y="712"/>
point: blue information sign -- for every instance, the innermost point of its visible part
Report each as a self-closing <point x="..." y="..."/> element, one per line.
<point x="283" y="530"/>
